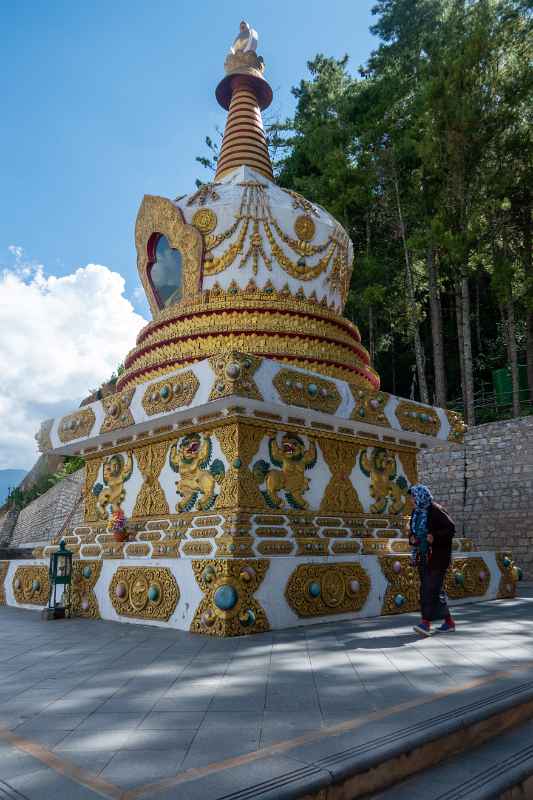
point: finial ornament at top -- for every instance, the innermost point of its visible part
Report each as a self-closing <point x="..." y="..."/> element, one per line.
<point x="245" y="41"/>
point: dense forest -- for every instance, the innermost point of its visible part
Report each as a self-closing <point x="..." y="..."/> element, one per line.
<point x="425" y="156"/>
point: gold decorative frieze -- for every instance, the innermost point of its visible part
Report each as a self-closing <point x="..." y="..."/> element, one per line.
<point x="144" y="592"/>
<point x="42" y="437"/>
<point x="373" y="546"/>
<point x="467" y="577"/>
<point x="387" y="488"/>
<point x="168" y="548"/>
<point x="417" y="418"/>
<point x="286" y="470"/>
<point x="151" y="498"/>
<point x="203" y="533"/>
<point x="403" y="587"/>
<point x="207" y="522"/>
<point x="150" y="536"/>
<point x="174" y="392"/>
<point x="270" y="519"/>
<point x="312" y="547"/>
<point x="269" y="532"/>
<point x="113" y="550"/>
<point x="31" y="585"/>
<point x="85" y="574"/>
<point x="205" y="220"/>
<point x="400" y="546"/>
<point x="4" y="566"/>
<point x="137" y="550"/>
<point x="369" y="405"/>
<point x="228" y="607"/>
<point x="90" y="550"/>
<point x="76" y="426"/>
<point x="198" y="548"/>
<point x="334" y="533"/>
<point x="234" y="373"/>
<point x="234" y="546"/>
<point x="316" y="590"/>
<point x="275" y="548"/>
<point x="117" y="411"/>
<point x="457" y="426"/>
<point x="308" y="391"/>
<point x="341" y="548"/>
<point x="239" y="444"/>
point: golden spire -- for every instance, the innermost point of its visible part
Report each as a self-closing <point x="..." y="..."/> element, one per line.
<point x="245" y="93"/>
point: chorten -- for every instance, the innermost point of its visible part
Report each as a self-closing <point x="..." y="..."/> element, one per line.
<point x="249" y="473"/>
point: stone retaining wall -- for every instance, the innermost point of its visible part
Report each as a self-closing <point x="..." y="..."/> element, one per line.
<point x="43" y="519"/>
<point x="487" y="485"/>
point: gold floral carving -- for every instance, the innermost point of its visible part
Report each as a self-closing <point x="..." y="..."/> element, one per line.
<point x="42" y="437"/>
<point x="404" y="585"/>
<point x="474" y="578"/>
<point x="151" y="498"/>
<point x="159" y="215"/>
<point x="77" y="425"/>
<point x="4" y="566"/>
<point x="205" y="220"/>
<point x="174" y="392"/>
<point x="84" y="602"/>
<point x="507" y="585"/>
<point x="242" y="578"/>
<point x="144" y="592"/>
<point x="117" y="411"/>
<point x="312" y="547"/>
<point x="239" y="443"/>
<point x="31" y="585"/>
<point x="307" y="391"/>
<point x="417" y="418"/>
<point x="387" y="488"/>
<point x="205" y="192"/>
<point x="234" y="375"/>
<point x="316" y="590"/>
<point x="369" y="405"/>
<point x="457" y="426"/>
<point x="340" y="495"/>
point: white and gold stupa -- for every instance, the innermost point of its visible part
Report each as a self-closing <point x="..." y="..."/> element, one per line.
<point x="249" y="473"/>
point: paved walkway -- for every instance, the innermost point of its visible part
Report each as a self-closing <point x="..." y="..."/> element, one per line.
<point x="104" y="709"/>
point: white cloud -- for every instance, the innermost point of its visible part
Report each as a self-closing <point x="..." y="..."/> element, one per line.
<point x="60" y="337"/>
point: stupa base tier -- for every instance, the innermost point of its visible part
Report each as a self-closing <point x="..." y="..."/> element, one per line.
<point x="240" y="596"/>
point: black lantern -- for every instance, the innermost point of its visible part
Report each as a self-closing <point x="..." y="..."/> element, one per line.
<point x="60" y="575"/>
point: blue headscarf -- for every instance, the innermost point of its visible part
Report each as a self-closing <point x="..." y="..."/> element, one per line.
<point x="419" y="518"/>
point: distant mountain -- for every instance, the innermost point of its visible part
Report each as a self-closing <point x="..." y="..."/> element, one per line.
<point x="9" y="478"/>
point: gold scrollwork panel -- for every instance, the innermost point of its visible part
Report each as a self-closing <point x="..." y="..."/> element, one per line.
<point x="340" y="495"/>
<point x="467" y="577"/>
<point x="31" y="585"/>
<point x="316" y="590"/>
<point x="92" y="467"/>
<point x="76" y="426"/>
<point x="85" y="574"/>
<point x="228" y="607"/>
<point x="403" y="587"/>
<point x="239" y="443"/>
<point x="144" y="592"/>
<point x="151" y="498"/>
<point x="507" y="585"/>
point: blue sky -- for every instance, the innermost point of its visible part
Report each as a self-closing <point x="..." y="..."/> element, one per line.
<point x="102" y="102"/>
<point x="107" y="100"/>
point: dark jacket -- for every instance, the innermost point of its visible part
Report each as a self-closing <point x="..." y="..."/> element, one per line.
<point x="442" y="527"/>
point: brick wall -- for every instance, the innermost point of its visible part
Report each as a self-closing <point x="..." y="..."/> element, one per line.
<point x="43" y="519"/>
<point x="487" y="485"/>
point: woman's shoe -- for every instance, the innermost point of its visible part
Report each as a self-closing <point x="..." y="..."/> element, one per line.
<point x="446" y="627"/>
<point x="423" y="628"/>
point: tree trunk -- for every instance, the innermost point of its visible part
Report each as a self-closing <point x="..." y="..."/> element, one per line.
<point x="459" y="322"/>
<point x="371" y="346"/>
<point x="436" y="330"/>
<point x="528" y="271"/>
<point x="470" y="416"/>
<point x="411" y="302"/>
<point x="513" y="356"/>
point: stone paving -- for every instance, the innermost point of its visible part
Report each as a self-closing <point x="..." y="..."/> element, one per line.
<point x="132" y="705"/>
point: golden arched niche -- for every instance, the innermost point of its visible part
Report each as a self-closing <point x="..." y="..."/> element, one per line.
<point x="158" y="215"/>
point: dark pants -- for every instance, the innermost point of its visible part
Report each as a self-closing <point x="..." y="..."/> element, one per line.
<point x="433" y="601"/>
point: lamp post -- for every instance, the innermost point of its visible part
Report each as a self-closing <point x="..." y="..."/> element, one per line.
<point x="60" y="575"/>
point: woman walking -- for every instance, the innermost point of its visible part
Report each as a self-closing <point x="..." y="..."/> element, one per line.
<point x="432" y="530"/>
